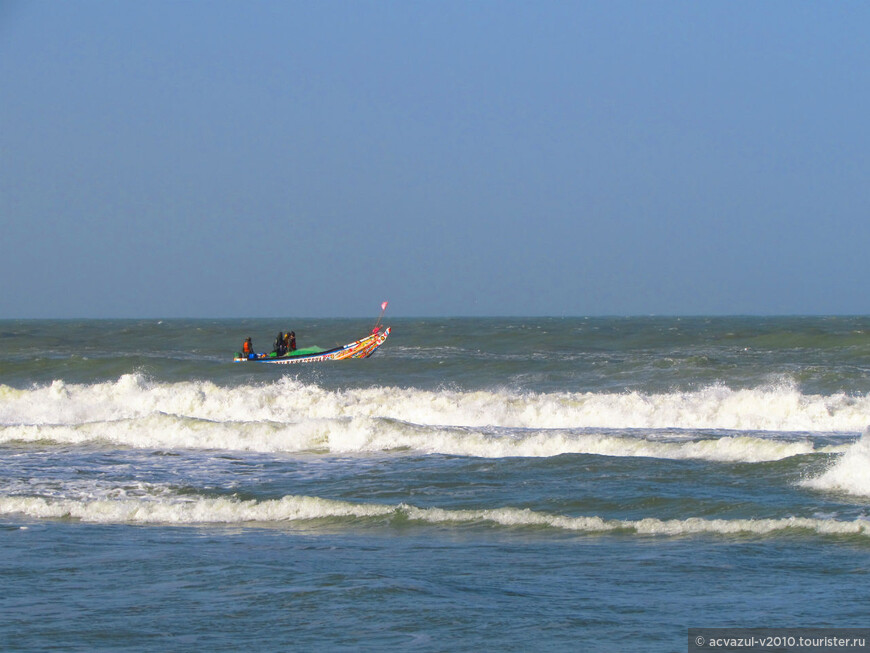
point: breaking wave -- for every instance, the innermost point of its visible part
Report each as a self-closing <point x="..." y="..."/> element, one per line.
<point x="301" y="509"/>
<point x="850" y="473"/>
<point x="291" y="416"/>
<point x="373" y="435"/>
<point x="776" y="408"/>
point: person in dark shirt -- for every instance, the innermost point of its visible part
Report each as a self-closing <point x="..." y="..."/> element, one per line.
<point x="280" y="348"/>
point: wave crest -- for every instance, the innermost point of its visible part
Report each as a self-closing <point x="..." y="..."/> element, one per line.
<point x="208" y="511"/>
<point x="850" y="473"/>
<point x="776" y="408"/>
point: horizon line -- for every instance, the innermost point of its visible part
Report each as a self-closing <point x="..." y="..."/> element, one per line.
<point x="451" y="317"/>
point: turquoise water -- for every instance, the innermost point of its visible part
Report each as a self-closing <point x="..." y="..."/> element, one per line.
<point x="500" y="484"/>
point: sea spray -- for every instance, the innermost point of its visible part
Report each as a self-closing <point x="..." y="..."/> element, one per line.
<point x="781" y="408"/>
<point x="849" y="473"/>
<point x="374" y="435"/>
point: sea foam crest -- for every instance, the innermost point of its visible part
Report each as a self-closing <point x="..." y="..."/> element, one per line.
<point x="289" y="416"/>
<point x="779" y="408"/>
<point x="203" y="511"/>
<point x="850" y="473"/>
<point x="373" y="435"/>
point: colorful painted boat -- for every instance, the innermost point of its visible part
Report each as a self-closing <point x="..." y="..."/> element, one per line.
<point x="362" y="348"/>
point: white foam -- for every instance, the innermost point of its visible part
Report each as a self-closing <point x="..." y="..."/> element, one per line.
<point x="86" y="489"/>
<point x="647" y="526"/>
<point x="202" y="510"/>
<point x="850" y="473"/>
<point x="371" y="435"/>
<point x="776" y="408"/>
<point x="288" y="415"/>
<point x="190" y="512"/>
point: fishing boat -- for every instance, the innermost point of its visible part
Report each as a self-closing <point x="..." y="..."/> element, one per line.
<point x="362" y="348"/>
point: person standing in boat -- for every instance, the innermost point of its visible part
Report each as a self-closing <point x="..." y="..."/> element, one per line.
<point x="280" y="348"/>
<point x="290" y="341"/>
<point x="248" y="348"/>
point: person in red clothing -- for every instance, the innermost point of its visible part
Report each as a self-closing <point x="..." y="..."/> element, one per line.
<point x="248" y="348"/>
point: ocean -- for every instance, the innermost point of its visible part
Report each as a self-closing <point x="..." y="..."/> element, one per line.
<point x="499" y="484"/>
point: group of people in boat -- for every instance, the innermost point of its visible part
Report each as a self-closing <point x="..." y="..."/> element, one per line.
<point x="285" y="343"/>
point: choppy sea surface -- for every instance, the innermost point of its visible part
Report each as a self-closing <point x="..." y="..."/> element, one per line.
<point x="509" y="484"/>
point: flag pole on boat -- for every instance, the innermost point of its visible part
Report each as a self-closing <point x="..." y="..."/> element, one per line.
<point x="380" y="317"/>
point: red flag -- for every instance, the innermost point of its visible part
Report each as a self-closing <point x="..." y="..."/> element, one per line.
<point x="384" y="306"/>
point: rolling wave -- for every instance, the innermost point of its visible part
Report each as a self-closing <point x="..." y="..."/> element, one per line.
<point x="775" y="408"/>
<point x="374" y="435"/>
<point x="301" y="509"/>
<point x="849" y="473"/>
<point x="291" y="416"/>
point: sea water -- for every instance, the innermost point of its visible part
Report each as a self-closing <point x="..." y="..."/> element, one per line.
<point x="510" y="484"/>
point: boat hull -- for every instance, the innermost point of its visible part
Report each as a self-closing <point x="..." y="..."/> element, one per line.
<point x="362" y="348"/>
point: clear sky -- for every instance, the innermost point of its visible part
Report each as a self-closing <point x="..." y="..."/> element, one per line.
<point x="312" y="159"/>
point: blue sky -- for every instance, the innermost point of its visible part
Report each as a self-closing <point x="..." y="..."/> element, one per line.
<point x="223" y="159"/>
